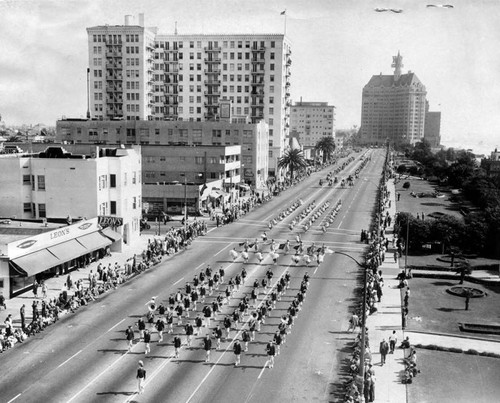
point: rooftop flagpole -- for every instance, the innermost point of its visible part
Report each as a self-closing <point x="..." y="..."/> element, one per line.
<point x="284" y="13"/>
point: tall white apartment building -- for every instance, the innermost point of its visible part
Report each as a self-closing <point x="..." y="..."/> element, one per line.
<point x="138" y="74"/>
<point x="311" y="121"/>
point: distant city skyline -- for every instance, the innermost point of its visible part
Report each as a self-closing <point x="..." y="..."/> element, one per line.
<point x="337" y="46"/>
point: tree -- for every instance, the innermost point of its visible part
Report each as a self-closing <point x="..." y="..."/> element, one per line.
<point x="327" y="146"/>
<point x="293" y="160"/>
<point x="14" y="139"/>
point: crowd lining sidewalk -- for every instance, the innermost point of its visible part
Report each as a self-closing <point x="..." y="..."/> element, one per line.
<point x="381" y="324"/>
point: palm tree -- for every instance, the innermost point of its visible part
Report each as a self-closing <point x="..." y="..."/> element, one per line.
<point x="293" y="160"/>
<point x="327" y="146"/>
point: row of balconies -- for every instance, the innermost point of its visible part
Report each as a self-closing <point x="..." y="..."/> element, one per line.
<point x="114" y="100"/>
<point x="111" y="88"/>
<point x="114" y="77"/>
<point x="113" y="65"/>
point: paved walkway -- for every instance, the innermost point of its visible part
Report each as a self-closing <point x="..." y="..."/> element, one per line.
<point x="388" y="318"/>
<point x="388" y="386"/>
<point x="57" y="284"/>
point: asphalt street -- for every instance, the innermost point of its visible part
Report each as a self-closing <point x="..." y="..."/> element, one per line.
<point x="84" y="357"/>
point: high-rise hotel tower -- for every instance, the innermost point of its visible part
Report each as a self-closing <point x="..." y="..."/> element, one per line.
<point x="393" y="107"/>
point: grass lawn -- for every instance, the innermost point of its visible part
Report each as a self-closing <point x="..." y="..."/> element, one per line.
<point x="455" y="378"/>
<point x="426" y="205"/>
<point x="432" y="309"/>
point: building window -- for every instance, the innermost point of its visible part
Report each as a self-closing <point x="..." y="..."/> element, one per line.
<point x="270" y="154"/>
<point x="134" y="202"/>
<point x="26" y="179"/>
<point x="41" y="182"/>
<point x="103" y="182"/>
<point x="199" y="160"/>
<point x="41" y="210"/>
<point x="27" y="207"/>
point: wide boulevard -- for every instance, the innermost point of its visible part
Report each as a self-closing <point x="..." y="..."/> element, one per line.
<point x="84" y="357"/>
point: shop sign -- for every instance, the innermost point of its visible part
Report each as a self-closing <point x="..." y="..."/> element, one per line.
<point x="109" y="221"/>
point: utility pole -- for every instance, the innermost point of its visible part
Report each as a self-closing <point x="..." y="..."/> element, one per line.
<point x="88" y="93"/>
<point x="185" y="203"/>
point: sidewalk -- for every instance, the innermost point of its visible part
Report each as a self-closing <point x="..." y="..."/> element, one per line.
<point x="381" y="324"/>
<point x="57" y="284"/>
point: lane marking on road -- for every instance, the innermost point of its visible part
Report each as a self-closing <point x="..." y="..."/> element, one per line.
<point x="178" y="281"/>
<point x="110" y="329"/>
<point x="262" y="370"/>
<point x="227" y="246"/>
<point x="14" y="398"/>
<point x="73" y="356"/>
<point x="199" y="266"/>
<point x="97" y="377"/>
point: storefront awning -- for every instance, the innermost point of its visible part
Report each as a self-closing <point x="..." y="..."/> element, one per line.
<point x="37" y="262"/>
<point x="68" y="250"/>
<point x="94" y="241"/>
<point x="113" y="235"/>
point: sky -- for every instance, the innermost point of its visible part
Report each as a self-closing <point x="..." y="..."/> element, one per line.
<point x="337" y="46"/>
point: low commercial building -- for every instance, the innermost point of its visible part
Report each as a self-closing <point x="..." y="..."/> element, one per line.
<point x="57" y="185"/>
<point x="203" y="177"/>
<point x="38" y="250"/>
<point x="253" y="138"/>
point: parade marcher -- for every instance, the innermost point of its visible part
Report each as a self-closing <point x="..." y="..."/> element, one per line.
<point x="141" y="377"/>
<point x="227" y="326"/>
<point x="177" y="345"/>
<point x="160" y="327"/>
<point x="217" y="333"/>
<point x="147" y="341"/>
<point x="277" y="341"/>
<point x="170" y="319"/>
<point x="271" y="352"/>
<point x="246" y="338"/>
<point x="189" y="329"/>
<point x="237" y="352"/>
<point x="130" y="337"/>
<point x="199" y="324"/>
<point x="207" y="312"/>
<point x="207" y="346"/>
<point x="179" y="309"/>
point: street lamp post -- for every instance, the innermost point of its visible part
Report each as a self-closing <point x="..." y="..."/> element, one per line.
<point x="185" y="203"/>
